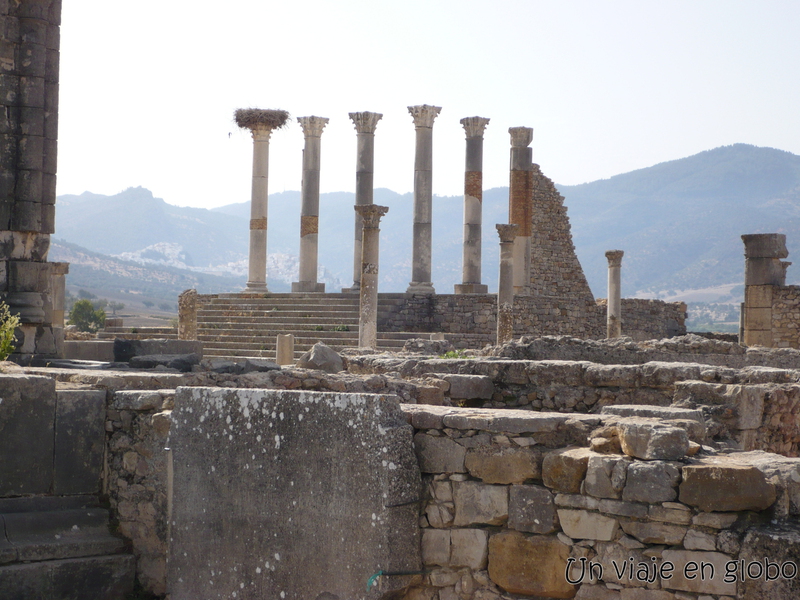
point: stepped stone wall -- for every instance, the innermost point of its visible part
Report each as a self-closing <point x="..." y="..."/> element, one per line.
<point x="29" y="63"/>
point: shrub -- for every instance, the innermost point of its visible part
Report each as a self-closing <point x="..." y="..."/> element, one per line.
<point x="8" y="323"/>
<point x="84" y="316"/>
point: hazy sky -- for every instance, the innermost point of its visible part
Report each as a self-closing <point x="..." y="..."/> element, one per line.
<point x="148" y="88"/>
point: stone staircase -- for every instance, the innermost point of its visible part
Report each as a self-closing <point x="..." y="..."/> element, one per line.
<point x="233" y="325"/>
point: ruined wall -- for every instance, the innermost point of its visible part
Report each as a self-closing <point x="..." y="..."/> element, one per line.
<point x="508" y="507"/>
<point x="29" y="58"/>
<point x="555" y="269"/>
<point x="785" y="318"/>
<point x="649" y="319"/>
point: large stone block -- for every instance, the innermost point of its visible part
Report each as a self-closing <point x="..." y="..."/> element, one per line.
<point x="469" y="548"/>
<point x="652" y="482"/>
<point x="531" y="509"/>
<point x="438" y="454"/>
<point x="479" y="504"/>
<point x="585" y="525"/>
<point x="504" y="465"/>
<point x="27" y="414"/>
<point x="529" y="565"/>
<point x="652" y="440"/>
<point x="780" y="546"/>
<point x="470" y="387"/>
<point x="253" y="469"/>
<point x="605" y="475"/>
<point x="564" y="470"/>
<point x="725" y="487"/>
<point x="79" y="441"/>
<point x="698" y="572"/>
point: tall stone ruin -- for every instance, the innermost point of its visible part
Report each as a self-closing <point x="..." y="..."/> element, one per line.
<point x="29" y="59"/>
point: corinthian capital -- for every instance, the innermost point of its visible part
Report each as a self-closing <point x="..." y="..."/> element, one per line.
<point x="371" y="213"/>
<point x="474" y="126"/>
<point x="507" y="233"/>
<point x="365" y="122"/>
<point x="424" y="114"/>
<point x="521" y="137"/>
<point x="312" y="126"/>
<point x="614" y="258"/>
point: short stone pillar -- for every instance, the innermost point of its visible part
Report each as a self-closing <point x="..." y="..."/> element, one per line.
<point x="58" y="272"/>
<point x="365" y="123"/>
<point x="284" y="349"/>
<point x="763" y="271"/>
<point x="309" y="212"/>
<point x="473" y="208"/>
<point x="368" y="312"/>
<point x="260" y="123"/>
<point x="505" y="288"/>
<point x="614" y="304"/>
<point x="423" y="116"/>
<point x="187" y="315"/>
<point x="520" y="203"/>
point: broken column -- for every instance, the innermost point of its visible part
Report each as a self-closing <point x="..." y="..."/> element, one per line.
<point x="284" y="349"/>
<point x="260" y="123"/>
<point x="763" y="271"/>
<point x="309" y="215"/>
<point x="29" y="75"/>
<point x="520" y="203"/>
<point x="368" y="313"/>
<point x="505" y="287"/>
<point x="365" y="123"/>
<point x="473" y="208"/>
<point x="614" y="305"/>
<point x="423" y="116"/>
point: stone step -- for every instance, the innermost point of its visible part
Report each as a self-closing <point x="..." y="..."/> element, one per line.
<point x="266" y="318"/>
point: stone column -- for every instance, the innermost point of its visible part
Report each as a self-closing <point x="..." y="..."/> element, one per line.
<point x="187" y="315"/>
<point x="59" y="272"/>
<point x="423" y="116"/>
<point x="365" y="123"/>
<point x="520" y="203"/>
<point x="368" y="313"/>
<point x="763" y="271"/>
<point x="260" y="123"/>
<point x="309" y="215"/>
<point x="473" y="208"/>
<point x="614" y="304"/>
<point x="505" y="288"/>
<point x="284" y="349"/>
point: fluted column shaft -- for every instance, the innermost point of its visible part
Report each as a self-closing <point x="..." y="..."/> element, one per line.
<point x="365" y="124"/>
<point x="520" y="203"/>
<point x="473" y="208"/>
<point x="370" y="252"/>
<point x="423" y="116"/>
<point x="309" y="212"/>
<point x="505" y="286"/>
<point x="614" y="308"/>
<point x="257" y="264"/>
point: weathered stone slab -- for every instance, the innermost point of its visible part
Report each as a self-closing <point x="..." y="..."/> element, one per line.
<point x="469" y="548"/>
<point x="179" y="362"/>
<point x="654" y="533"/>
<point x="564" y="470"/>
<point x="27" y="415"/>
<point x="529" y="565"/>
<point x="470" y="387"/>
<point x="780" y="545"/>
<point x="651" y="482"/>
<point x="652" y="440"/>
<point x="439" y="454"/>
<point x="344" y="462"/>
<point x="726" y="487"/>
<point x="698" y="572"/>
<point x="585" y="525"/>
<point x="80" y="438"/>
<point x="605" y="475"/>
<point x="531" y="509"/>
<point x="504" y="465"/>
<point x="479" y="503"/>
<point x="323" y="358"/>
<point x="124" y="349"/>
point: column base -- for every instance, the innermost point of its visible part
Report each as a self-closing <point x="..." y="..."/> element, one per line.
<point x="421" y="287"/>
<point x="471" y="288"/>
<point x="354" y="289"/>
<point x="308" y="286"/>
<point x="256" y="286"/>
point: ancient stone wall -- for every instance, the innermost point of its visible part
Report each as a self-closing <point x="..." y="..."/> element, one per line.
<point x="649" y="319"/>
<point x="786" y="316"/>
<point x="555" y="269"/>
<point x="29" y="60"/>
<point x="512" y="504"/>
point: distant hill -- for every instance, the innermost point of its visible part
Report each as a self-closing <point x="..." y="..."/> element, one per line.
<point x="679" y="223"/>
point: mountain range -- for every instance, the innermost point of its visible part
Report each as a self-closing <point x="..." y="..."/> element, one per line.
<point x="679" y="223"/>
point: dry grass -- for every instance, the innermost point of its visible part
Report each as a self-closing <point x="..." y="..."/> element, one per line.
<point x="250" y="118"/>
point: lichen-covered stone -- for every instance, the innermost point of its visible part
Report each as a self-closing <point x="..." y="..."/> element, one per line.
<point x="531" y="509"/>
<point x="651" y="482"/>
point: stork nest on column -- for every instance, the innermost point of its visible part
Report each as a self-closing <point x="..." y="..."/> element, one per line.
<point x="250" y="118"/>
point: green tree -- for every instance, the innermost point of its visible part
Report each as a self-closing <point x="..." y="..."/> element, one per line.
<point x="115" y="306"/>
<point x="8" y="323"/>
<point x="85" y="317"/>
